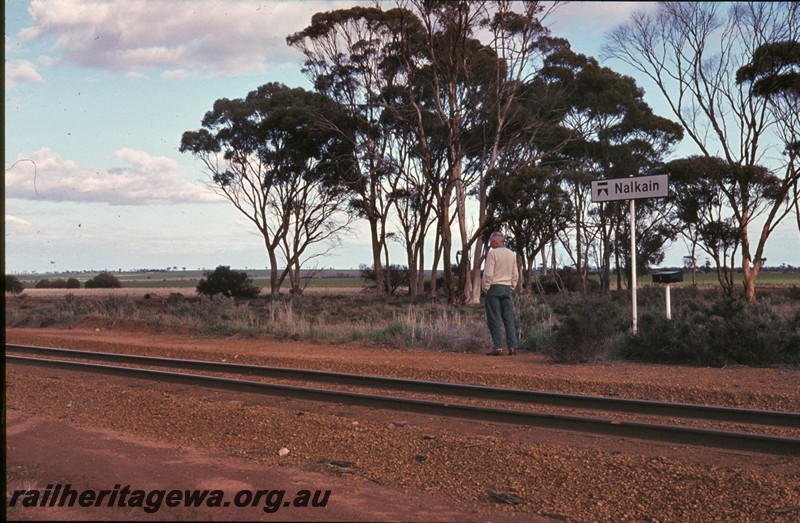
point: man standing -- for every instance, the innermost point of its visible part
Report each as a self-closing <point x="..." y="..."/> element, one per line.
<point x="500" y="276"/>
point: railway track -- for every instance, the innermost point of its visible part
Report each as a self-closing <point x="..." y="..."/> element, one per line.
<point x="67" y="359"/>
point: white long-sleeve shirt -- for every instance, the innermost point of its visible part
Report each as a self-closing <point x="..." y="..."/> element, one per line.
<point x="500" y="269"/>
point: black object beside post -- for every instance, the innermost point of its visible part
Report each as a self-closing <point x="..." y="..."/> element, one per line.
<point x="668" y="277"/>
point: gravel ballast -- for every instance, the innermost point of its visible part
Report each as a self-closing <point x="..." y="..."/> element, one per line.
<point x="521" y="470"/>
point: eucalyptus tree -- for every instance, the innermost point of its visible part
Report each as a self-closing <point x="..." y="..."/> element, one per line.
<point x="413" y="201"/>
<point x="774" y="72"/>
<point x="344" y="52"/>
<point x="699" y="207"/>
<point x="266" y="154"/>
<point x="419" y="145"/>
<point x="520" y="113"/>
<point x="692" y="52"/>
<point x="447" y="68"/>
<point x="482" y="55"/>
<point x="534" y="208"/>
<point x="423" y="66"/>
<point x="424" y="62"/>
<point x="618" y="136"/>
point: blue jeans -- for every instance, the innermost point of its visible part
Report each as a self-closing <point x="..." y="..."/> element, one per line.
<point x="500" y="314"/>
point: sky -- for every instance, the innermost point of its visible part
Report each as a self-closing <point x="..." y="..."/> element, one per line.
<point x="99" y="92"/>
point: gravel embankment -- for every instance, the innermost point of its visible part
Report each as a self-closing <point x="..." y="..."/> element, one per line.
<point x="556" y="475"/>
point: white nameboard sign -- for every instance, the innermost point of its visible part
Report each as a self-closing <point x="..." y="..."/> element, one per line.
<point x="634" y="188"/>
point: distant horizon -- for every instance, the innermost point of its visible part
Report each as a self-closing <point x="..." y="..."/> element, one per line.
<point x="306" y="271"/>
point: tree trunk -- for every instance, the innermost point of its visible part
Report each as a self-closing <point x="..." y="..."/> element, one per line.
<point x="380" y="278"/>
<point x="437" y="254"/>
<point x="274" y="282"/>
<point x="750" y="273"/>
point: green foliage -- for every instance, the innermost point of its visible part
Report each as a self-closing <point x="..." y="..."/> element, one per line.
<point x="707" y="328"/>
<point x="214" y="315"/>
<point x="395" y="276"/>
<point x="717" y="333"/>
<point x="72" y="310"/>
<point x="58" y="283"/>
<point x="231" y="284"/>
<point x="104" y="280"/>
<point x="586" y="327"/>
<point x="534" y="320"/>
<point x="773" y="69"/>
<point x="13" y="285"/>
<point x="531" y="204"/>
<point x="73" y="283"/>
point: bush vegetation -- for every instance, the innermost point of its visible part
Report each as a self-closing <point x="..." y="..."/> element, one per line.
<point x="707" y="328"/>
<point x="104" y="280"/>
<point x="13" y="285"/>
<point x="60" y="283"/>
<point x="228" y="283"/>
<point x="717" y="333"/>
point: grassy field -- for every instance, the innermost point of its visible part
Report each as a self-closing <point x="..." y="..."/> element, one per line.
<point x="348" y="279"/>
<point x="316" y="283"/>
<point x="706" y="328"/>
<point x="189" y="279"/>
<point x="772" y="277"/>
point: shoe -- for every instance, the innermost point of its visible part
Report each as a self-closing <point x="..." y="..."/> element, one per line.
<point x="495" y="352"/>
<point x="512" y="352"/>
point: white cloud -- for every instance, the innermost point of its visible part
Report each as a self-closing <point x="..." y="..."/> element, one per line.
<point x="15" y="220"/>
<point x="19" y="72"/>
<point x="140" y="180"/>
<point x="179" y="38"/>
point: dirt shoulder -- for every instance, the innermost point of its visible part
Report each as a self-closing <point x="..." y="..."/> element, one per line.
<point x="42" y="451"/>
<point x="94" y="433"/>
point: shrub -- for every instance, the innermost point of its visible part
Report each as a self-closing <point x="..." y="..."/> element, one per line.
<point x="725" y="331"/>
<point x="104" y="280"/>
<point x="587" y="326"/>
<point x="397" y="275"/>
<point x="534" y="321"/>
<point x="231" y="284"/>
<point x="73" y="283"/>
<point x="566" y="279"/>
<point x="215" y="315"/>
<point x="660" y="340"/>
<point x="59" y="283"/>
<point x="117" y="307"/>
<point x="13" y="284"/>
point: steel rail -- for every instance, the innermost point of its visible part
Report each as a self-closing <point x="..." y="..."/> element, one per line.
<point x="664" y="433"/>
<point x="630" y="406"/>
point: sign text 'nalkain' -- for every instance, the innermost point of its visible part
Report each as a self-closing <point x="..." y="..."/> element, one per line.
<point x="635" y="188"/>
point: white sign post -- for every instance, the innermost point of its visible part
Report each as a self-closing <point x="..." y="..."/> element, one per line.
<point x="631" y="189"/>
<point x="634" y="303"/>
